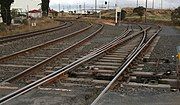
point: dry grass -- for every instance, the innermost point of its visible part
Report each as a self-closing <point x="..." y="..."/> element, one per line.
<point x="153" y="16"/>
<point x="178" y="27"/>
<point x="95" y="20"/>
<point x="41" y="24"/>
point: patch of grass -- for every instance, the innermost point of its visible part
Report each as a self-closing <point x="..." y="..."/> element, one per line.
<point x="2" y="27"/>
<point x="178" y="27"/>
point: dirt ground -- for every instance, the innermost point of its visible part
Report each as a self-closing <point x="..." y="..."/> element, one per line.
<point x="40" y="24"/>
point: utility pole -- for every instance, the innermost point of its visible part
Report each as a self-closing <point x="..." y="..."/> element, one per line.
<point x="29" y="20"/>
<point x="161" y="4"/>
<point x="108" y="4"/>
<point x="67" y="7"/>
<point x="84" y="7"/>
<point x="80" y="9"/>
<point x="77" y="8"/>
<point x="70" y="7"/>
<point x="137" y="3"/>
<point x="95" y="6"/>
<point x="27" y="11"/>
<point x="153" y="4"/>
<point x="146" y="12"/>
<point x="59" y="7"/>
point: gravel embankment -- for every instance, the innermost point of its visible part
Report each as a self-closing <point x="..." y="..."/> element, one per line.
<point x="21" y="44"/>
<point x="165" y="49"/>
<point x="81" y="95"/>
<point x="23" y="60"/>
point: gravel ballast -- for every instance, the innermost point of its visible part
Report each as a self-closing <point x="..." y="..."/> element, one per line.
<point x="165" y="49"/>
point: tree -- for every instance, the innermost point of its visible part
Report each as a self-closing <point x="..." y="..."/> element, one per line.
<point x="14" y="13"/>
<point x="140" y="11"/>
<point x="5" y="10"/>
<point x="45" y="7"/>
<point x="175" y="16"/>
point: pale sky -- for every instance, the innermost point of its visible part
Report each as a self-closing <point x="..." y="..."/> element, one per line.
<point x="64" y="4"/>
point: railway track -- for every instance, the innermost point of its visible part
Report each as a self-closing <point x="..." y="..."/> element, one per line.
<point x="24" y="43"/>
<point x="94" y="71"/>
<point x="41" y="54"/>
<point x="33" y="33"/>
<point x="119" y="76"/>
<point x="148" y="73"/>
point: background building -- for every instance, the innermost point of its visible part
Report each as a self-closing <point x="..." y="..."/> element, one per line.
<point x="35" y="14"/>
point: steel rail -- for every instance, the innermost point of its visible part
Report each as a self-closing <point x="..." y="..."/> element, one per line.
<point x="63" y="70"/>
<point x="38" y="82"/>
<point x="33" y="33"/>
<point x="116" y="41"/>
<point x="35" y="67"/>
<point x="34" y="84"/>
<point x="124" y="67"/>
<point x="3" y="58"/>
<point x="134" y="51"/>
<point x="142" y="41"/>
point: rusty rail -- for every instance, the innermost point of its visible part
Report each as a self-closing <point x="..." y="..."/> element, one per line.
<point x="40" y="64"/>
<point x="33" y="33"/>
<point x="71" y="66"/>
<point x="133" y="55"/>
<point x="7" y="57"/>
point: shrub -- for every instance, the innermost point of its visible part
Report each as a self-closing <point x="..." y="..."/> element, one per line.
<point x="2" y="27"/>
<point x="175" y="16"/>
<point x="140" y="11"/>
<point x="25" y="21"/>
